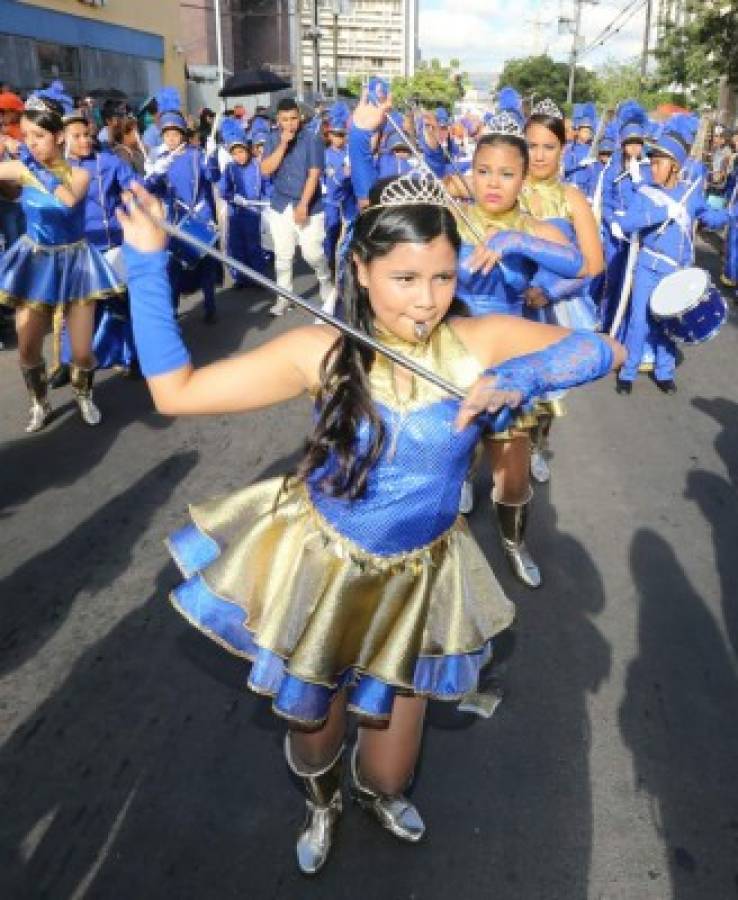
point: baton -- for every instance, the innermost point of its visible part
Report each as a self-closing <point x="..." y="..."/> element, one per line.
<point x="359" y="336"/>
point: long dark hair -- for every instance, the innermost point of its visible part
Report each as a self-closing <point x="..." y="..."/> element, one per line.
<point x="553" y="123"/>
<point x="505" y="140"/>
<point x="344" y="400"/>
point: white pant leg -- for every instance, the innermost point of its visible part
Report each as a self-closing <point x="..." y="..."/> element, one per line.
<point x="284" y="238"/>
<point x="311" y="237"/>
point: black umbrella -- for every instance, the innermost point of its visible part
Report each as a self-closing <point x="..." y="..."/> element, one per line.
<point x="107" y="94"/>
<point x="253" y="81"/>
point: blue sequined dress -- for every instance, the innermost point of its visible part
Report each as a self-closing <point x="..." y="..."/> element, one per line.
<point x="52" y="262"/>
<point x="387" y="594"/>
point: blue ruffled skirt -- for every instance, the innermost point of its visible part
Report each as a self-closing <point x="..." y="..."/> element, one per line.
<point x="270" y="580"/>
<point x="40" y="275"/>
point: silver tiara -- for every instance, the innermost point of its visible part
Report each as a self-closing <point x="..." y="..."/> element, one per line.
<point x="546" y="108"/>
<point x="37" y="103"/>
<point x="504" y="123"/>
<point x="413" y="189"/>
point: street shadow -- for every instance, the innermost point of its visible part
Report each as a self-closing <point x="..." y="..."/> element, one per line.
<point x="68" y="449"/>
<point x="678" y="718"/>
<point x="39" y="594"/>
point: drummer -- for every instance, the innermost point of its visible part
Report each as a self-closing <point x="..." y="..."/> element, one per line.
<point x="664" y="213"/>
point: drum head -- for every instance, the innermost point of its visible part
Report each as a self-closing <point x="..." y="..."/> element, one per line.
<point x="679" y="292"/>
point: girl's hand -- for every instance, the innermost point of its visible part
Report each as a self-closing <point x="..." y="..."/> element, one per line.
<point x="139" y="230"/>
<point x="483" y="397"/>
<point x="482" y="260"/>
<point x="371" y="116"/>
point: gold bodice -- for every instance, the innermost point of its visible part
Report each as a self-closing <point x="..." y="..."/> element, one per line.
<point x="546" y="199"/>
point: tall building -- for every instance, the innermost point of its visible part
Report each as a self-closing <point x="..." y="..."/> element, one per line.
<point x="132" y="45"/>
<point x="375" y="37"/>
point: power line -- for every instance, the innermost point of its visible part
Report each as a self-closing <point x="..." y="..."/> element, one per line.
<point x="635" y="6"/>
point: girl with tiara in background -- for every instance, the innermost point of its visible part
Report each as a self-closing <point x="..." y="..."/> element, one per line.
<point x="492" y="278"/>
<point x="52" y="264"/>
<point x="551" y="298"/>
<point x="353" y="584"/>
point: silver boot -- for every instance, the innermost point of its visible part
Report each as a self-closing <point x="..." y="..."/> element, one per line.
<point x="40" y="408"/>
<point x="539" y="469"/>
<point x="324" y="807"/>
<point x="512" y="521"/>
<point x="81" y="380"/>
<point x="395" y="813"/>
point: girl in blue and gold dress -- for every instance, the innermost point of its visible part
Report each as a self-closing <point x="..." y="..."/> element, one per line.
<point x="354" y="585"/>
<point x="52" y="263"/>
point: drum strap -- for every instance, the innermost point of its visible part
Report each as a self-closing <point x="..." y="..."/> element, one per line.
<point x="662" y="257"/>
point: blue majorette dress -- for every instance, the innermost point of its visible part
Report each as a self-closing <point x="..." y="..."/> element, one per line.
<point x="387" y="594"/>
<point x="52" y="263"/>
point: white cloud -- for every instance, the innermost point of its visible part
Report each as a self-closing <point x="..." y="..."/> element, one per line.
<point x="483" y="34"/>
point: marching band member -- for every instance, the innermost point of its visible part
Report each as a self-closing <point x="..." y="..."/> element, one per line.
<point x="339" y="199"/>
<point x="184" y="178"/>
<point x="577" y="157"/>
<point x="52" y="264"/>
<point x="240" y="186"/>
<point x="605" y="150"/>
<point x="354" y="585"/>
<point x="729" y="275"/>
<point x="627" y="170"/>
<point x="663" y="213"/>
<point x="566" y="302"/>
<point x="110" y="175"/>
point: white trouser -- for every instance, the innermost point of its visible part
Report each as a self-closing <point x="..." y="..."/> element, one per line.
<point x="287" y="236"/>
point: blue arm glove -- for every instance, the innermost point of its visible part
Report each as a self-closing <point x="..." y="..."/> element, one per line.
<point x="41" y="173"/>
<point x="364" y="171"/>
<point x="562" y="259"/>
<point x="580" y="357"/>
<point x="557" y="288"/>
<point x="155" y="330"/>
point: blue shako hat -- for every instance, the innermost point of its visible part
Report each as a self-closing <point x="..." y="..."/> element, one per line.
<point x="338" y="117"/>
<point x="587" y="116"/>
<point x="442" y="116"/>
<point x="169" y="105"/>
<point x="55" y="92"/>
<point x="633" y="121"/>
<point x="676" y="139"/>
<point x="609" y="140"/>
<point x="510" y="101"/>
<point x="232" y="133"/>
<point x="576" y="115"/>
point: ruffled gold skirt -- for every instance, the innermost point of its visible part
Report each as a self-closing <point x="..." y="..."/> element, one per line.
<point x="271" y="580"/>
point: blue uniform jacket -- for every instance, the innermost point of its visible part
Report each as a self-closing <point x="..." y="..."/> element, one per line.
<point x="339" y="190"/>
<point x="188" y="184"/>
<point x="243" y="181"/>
<point x="618" y="187"/>
<point x="109" y="177"/>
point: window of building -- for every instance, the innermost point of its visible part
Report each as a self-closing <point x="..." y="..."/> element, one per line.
<point x="58" y="61"/>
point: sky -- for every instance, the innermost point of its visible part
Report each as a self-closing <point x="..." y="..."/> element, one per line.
<point x="483" y="34"/>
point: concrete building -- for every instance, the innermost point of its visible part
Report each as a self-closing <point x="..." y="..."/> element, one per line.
<point x="132" y="45"/>
<point x="375" y="37"/>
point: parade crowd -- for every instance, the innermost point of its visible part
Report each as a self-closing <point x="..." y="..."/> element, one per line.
<point x="515" y="255"/>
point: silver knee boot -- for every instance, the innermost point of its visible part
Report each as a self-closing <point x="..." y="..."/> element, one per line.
<point x="393" y="812"/>
<point x="81" y="380"/>
<point x="512" y="521"/>
<point x="539" y="468"/>
<point x="37" y="384"/>
<point x="324" y="806"/>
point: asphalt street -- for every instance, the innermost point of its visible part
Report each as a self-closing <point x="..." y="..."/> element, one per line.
<point x="134" y="764"/>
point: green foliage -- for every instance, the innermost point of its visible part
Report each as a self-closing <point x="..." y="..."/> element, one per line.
<point x="695" y="55"/>
<point x="540" y="76"/>
<point x="618" y="81"/>
<point x="433" y="84"/>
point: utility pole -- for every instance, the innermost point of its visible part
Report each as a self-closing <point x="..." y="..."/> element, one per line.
<point x="315" y="35"/>
<point x="336" y="12"/>
<point x="578" y="5"/>
<point x="646" y="40"/>
<point x="295" y="11"/>
<point x="219" y="49"/>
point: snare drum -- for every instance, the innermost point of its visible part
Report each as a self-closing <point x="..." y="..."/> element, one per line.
<point x="187" y="253"/>
<point x="688" y="307"/>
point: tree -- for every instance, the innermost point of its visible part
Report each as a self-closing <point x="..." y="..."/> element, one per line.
<point x="693" y="56"/>
<point x="432" y="84"/>
<point x="540" y="76"/>
<point x="618" y="81"/>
